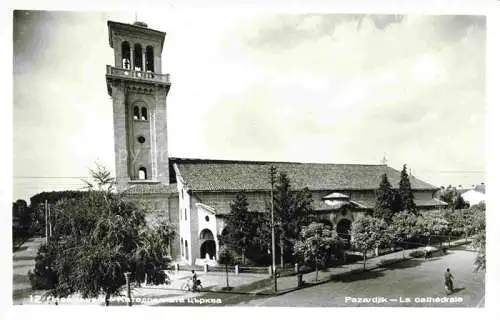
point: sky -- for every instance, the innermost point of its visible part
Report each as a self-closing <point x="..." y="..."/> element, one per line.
<point x="329" y="88"/>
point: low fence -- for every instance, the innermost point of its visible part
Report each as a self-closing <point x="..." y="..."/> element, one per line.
<point x="237" y="269"/>
<point x="289" y="269"/>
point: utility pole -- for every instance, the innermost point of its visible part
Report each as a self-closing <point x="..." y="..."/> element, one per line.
<point x="50" y="223"/>
<point x="272" y="173"/>
<point x="46" y="223"/>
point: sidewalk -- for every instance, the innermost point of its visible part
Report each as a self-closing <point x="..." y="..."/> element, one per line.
<point x="23" y="260"/>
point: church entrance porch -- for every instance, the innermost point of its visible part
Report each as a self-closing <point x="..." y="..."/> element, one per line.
<point x="208" y="248"/>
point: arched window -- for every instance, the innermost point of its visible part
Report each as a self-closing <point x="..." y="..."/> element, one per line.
<point x="143" y="174"/>
<point x="186" y="249"/>
<point x="125" y="55"/>
<point x="150" y="59"/>
<point x="136" y="113"/>
<point x="144" y="114"/>
<point x="137" y="57"/>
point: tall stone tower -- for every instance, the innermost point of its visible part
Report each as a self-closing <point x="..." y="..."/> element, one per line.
<point x="139" y="91"/>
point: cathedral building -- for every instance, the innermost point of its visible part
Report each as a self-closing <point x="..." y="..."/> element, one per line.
<point x="195" y="194"/>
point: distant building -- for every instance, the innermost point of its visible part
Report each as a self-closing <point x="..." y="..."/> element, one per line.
<point x="475" y="195"/>
<point x="195" y="194"/>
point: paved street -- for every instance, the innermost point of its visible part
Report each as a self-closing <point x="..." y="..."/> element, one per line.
<point x="23" y="261"/>
<point x="405" y="281"/>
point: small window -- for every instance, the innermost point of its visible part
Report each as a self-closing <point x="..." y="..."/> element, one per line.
<point x="141" y="139"/>
<point x="185" y="214"/>
<point x="207" y="219"/>
<point x="136" y="113"/>
<point x="144" y="114"/>
<point x="182" y="247"/>
<point x="143" y="173"/>
<point x="186" y="249"/>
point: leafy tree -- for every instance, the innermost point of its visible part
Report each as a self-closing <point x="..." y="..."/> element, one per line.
<point x="37" y="205"/>
<point x="291" y="209"/>
<point x="384" y="201"/>
<point x="460" y="203"/>
<point x="22" y="220"/>
<point x="479" y="240"/>
<point x="460" y="222"/>
<point x="403" y="227"/>
<point x="453" y="198"/>
<point x="96" y="239"/>
<point x="369" y="233"/>
<point x="226" y="258"/>
<point x="241" y="227"/>
<point x="448" y="195"/>
<point x="405" y="192"/>
<point x="315" y="245"/>
<point x="432" y="223"/>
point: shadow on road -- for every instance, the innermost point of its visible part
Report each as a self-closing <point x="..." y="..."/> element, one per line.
<point x="397" y="264"/>
<point x="357" y="276"/>
<point x="455" y="290"/>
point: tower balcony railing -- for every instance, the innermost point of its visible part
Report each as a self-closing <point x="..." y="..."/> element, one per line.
<point x="137" y="74"/>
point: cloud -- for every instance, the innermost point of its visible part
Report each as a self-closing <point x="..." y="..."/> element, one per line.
<point x="368" y="85"/>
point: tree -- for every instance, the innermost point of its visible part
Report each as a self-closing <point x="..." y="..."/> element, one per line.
<point x="405" y="192"/>
<point x="453" y="198"/>
<point x="315" y="245"/>
<point x="369" y="233"/>
<point x="448" y="195"/>
<point x="384" y="201"/>
<point x="460" y="203"/>
<point x="459" y="222"/>
<point x="97" y="238"/>
<point x="241" y="227"/>
<point x="479" y="240"/>
<point x="403" y="227"/>
<point x="291" y="209"/>
<point x="226" y="258"/>
<point x="432" y="223"/>
<point x="22" y="220"/>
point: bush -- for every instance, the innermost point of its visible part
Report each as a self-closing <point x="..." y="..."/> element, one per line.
<point x="43" y="277"/>
<point x="417" y="253"/>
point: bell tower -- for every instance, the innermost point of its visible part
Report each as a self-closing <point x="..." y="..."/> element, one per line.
<point x="139" y="90"/>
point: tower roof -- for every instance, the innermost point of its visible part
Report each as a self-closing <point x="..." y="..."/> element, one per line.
<point x="137" y="27"/>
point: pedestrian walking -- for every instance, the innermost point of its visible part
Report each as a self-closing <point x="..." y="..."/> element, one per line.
<point x="427" y="252"/>
<point x="448" y="283"/>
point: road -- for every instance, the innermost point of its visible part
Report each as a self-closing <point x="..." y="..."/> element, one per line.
<point x="408" y="284"/>
<point x="24" y="261"/>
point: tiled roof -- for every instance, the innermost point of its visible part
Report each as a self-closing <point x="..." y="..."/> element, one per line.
<point x="223" y="207"/>
<point x="222" y="175"/>
<point x="419" y="203"/>
<point x="151" y="188"/>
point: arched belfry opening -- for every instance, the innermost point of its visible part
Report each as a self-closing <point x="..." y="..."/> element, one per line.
<point x="144" y="113"/>
<point x="150" y="59"/>
<point x="125" y="55"/>
<point x="137" y="57"/>
<point x="136" y="113"/>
